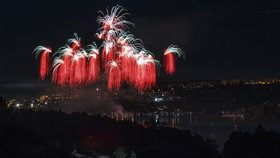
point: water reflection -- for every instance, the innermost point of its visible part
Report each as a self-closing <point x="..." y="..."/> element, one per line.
<point x="217" y="126"/>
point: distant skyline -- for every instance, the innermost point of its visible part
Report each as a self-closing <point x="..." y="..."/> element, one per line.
<point x="222" y="40"/>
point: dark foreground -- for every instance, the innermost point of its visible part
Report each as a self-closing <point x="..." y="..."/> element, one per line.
<point x="27" y="133"/>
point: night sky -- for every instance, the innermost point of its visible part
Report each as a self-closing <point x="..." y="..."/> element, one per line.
<point x="221" y="40"/>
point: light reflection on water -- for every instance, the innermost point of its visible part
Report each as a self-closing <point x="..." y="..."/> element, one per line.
<point x="212" y="126"/>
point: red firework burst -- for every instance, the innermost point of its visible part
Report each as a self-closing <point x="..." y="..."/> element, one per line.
<point x="123" y="57"/>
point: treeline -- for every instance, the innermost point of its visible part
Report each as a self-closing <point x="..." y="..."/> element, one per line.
<point x="27" y="133"/>
<point x="260" y="144"/>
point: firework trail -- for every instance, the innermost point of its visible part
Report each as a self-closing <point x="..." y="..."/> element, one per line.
<point x="108" y="52"/>
<point x="146" y="71"/>
<point x="113" y="22"/>
<point x="61" y="65"/>
<point x="78" y="69"/>
<point x="169" y="59"/>
<point x="93" y="63"/>
<point x="114" y="79"/>
<point x="60" y="74"/>
<point x="44" y="60"/>
<point x="75" y="42"/>
<point x="121" y="57"/>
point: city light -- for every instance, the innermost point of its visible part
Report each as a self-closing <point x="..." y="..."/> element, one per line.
<point x="18" y="105"/>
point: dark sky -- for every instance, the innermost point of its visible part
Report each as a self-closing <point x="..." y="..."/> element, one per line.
<point x="222" y="40"/>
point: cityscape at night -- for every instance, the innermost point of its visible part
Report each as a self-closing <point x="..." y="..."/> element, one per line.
<point x="142" y="79"/>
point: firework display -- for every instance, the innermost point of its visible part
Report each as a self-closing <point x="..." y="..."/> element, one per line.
<point x="121" y="59"/>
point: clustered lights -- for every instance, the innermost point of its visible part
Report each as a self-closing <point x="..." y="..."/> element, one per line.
<point x="120" y="59"/>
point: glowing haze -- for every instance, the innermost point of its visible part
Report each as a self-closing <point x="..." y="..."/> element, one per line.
<point x="121" y="59"/>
